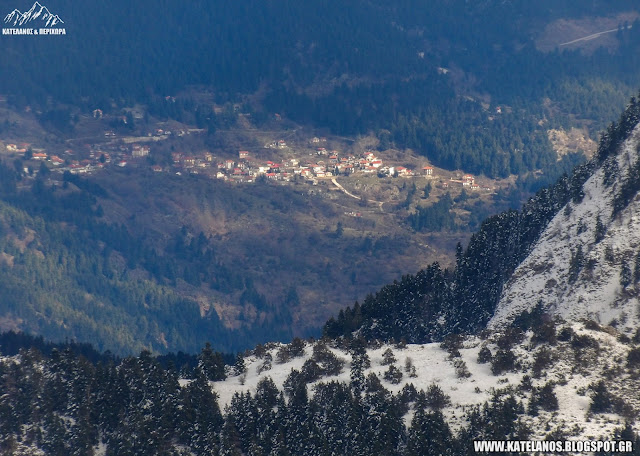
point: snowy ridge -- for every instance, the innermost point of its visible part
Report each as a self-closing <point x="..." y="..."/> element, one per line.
<point x="576" y="272"/>
<point x="572" y="381"/>
<point x="36" y="12"/>
<point x="595" y="290"/>
<point x="430" y="361"/>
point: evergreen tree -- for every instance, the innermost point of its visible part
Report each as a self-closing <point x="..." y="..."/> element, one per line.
<point x="211" y="363"/>
<point x="600" y="229"/>
<point x="626" y="276"/>
<point x="601" y="401"/>
<point x="428" y="434"/>
<point x="576" y="264"/>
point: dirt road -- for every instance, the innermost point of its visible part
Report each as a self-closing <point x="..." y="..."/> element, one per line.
<point x="593" y="36"/>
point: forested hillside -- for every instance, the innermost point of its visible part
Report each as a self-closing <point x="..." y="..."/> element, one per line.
<point x="66" y="273"/>
<point x="411" y="73"/>
<point x="328" y="397"/>
<point x="435" y="302"/>
<point x="462" y="84"/>
<point x="410" y="370"/>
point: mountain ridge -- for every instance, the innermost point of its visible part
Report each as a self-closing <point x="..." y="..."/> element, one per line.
<point x="435" y="303"/>
<point x="535" y="377"/>
<point x="583" y="264"/>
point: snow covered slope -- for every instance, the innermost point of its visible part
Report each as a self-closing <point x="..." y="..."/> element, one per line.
<point x="580" y="268"/>
<point x="432" y="366"/>
<point x="572" y="370"/>
<point x="585" y="272"/>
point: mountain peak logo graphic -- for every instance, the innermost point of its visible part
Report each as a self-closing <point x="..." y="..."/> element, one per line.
<point x="38" y="14"/>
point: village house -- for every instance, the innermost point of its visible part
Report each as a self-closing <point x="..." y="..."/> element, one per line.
<point x="77" y="168"/>
<point x="468" y="180"/>
<point x="57" y="161"/>
<point x="21" y="149"/>
<point x="140" y="151"/>
<point x="208" y="156"/>
<point x="243" y="155"/>
<point x="275" y="167"/>
<point x="427" y="170"/>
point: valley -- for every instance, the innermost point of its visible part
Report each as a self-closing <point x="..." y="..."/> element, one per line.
<point x="320" y="228"/>
<point x="288" y="245"/>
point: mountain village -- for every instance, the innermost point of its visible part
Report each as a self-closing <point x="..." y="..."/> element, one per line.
<point x="307" y="161"/>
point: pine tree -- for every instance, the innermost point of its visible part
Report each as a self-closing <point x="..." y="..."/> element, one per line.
<point x="388" y="357"/>
<point x="576" y="263"/>
<point x="428" y="434"/>
<point x="601" y="401"/>
<point x="600" y="229"/>
<point x="626" y="276"/>
<point x="211" y="363"/>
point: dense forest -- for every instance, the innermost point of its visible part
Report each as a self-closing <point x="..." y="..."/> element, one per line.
<point x="351" y="68"/>
<point x="63" y="403"/>
<point x="434" y="302"/>
<point x="66" y="272"/>
<point x="413" y="80"/>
